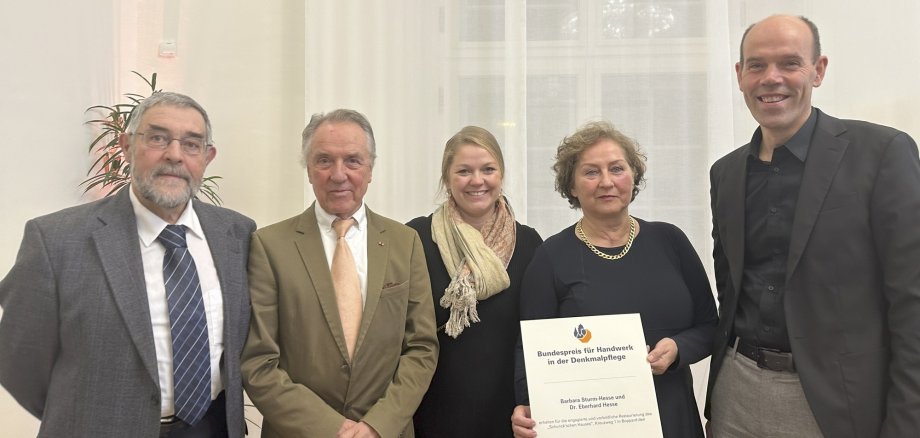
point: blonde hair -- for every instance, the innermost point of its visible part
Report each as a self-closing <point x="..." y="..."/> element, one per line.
<point x="472" y="135"/>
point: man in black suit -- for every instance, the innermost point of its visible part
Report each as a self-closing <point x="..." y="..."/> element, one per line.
<point x="816" y="226"/>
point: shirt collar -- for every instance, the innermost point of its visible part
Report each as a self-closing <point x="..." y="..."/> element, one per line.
<point x="325" y="219"/>
<point x="149" y="225"/>
<point x="799" y="142"/>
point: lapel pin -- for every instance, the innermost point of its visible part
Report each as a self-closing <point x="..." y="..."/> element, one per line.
<point x="380" y="243"/>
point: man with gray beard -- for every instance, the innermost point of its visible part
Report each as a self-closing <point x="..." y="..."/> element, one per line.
<point x="126" y="316"/>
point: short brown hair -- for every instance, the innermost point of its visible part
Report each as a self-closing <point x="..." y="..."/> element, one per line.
<point x="471" y="135"/>
<point x="815" y="38"/>
<point x="571" y="148"/>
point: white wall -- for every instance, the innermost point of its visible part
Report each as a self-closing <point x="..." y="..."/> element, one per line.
<point x="242" y="60"/>
<point x="57" y="62"/>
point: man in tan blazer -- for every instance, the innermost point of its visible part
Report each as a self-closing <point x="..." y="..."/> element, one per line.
<point x="301" y="367"/>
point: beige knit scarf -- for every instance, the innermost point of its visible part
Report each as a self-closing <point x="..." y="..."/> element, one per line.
<point x="476" y="261"/>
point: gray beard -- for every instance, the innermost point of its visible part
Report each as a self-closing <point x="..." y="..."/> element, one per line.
<point x="149" y="191"/>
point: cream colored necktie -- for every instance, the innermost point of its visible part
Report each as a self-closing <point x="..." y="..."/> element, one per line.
<point x="347" y="285"/>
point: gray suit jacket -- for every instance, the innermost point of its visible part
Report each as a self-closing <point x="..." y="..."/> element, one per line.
<point x="295" y="364"/>
<point x="852" y="299"/>
<point x="76" y="338"/>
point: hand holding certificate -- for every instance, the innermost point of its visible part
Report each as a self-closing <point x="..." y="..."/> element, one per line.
<point x="588" y="376"/>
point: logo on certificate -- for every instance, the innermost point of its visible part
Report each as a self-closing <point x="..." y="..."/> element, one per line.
<point x="582" y="334"/>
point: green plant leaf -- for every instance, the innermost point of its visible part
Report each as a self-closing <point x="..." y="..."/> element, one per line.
<point x="149" y="83"/>
<point x="103" y="108"/>
<point x="209" y="188"/>
<point x="97" y="140"/>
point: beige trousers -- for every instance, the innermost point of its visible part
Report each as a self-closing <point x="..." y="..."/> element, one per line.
<point x="749" y="402"/>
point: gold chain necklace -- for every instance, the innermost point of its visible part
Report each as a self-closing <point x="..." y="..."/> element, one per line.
<point x="580" y="232"/>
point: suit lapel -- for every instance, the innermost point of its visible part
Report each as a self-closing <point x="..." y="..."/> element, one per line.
<point x="731" y="214"/>
<point x="119" y="252"/>
<point x="309" y="244"/>
<point x="224" y="248"/>
<point x="824" y="155"/>
<point x="377" y="261"/>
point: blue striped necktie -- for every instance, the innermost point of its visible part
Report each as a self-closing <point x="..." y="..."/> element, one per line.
<point x="189" y="328"/>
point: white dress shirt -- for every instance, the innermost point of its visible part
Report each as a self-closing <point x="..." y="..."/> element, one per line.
<point x="149" y="226"/>
<point x="356" y="237"/>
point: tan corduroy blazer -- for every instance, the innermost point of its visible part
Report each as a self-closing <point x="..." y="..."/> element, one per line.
<point x="295" y="364"/>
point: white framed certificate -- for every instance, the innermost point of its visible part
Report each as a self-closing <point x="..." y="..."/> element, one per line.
<point x="588" y="377"/>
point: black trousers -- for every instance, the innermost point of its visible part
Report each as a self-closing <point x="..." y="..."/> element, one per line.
<point x="212" y="425"/>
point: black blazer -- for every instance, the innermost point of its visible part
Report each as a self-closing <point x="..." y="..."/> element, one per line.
<point x="852" y="299"/>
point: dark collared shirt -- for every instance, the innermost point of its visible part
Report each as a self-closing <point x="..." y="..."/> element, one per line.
<point x="771" y="194"/>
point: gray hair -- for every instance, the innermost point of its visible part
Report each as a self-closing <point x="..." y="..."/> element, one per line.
<point x="171" y="99"/>
<point x="337" y="116"/>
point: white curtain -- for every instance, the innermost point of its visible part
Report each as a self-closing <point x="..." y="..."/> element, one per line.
<point x="530" y="72"/>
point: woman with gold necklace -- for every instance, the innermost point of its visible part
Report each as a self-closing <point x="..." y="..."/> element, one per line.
<point x="611" y="263"/>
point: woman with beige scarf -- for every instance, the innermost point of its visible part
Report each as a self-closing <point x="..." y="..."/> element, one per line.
<point x="476" y="254"/>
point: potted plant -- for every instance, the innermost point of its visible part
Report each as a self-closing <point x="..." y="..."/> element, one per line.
<point x="110" y="171"/>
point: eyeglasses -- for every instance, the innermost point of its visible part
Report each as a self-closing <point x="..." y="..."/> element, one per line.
<point x="160" y="140"/>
